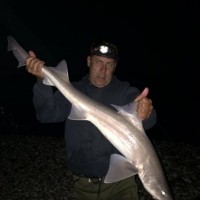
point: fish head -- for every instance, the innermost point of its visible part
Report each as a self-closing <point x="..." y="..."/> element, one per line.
<point x="159" y="191"/>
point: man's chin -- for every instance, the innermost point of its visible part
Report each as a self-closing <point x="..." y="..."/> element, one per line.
<point x="101" y="83"/>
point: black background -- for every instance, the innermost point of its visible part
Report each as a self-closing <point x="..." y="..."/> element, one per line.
<point x="158" y="44"/>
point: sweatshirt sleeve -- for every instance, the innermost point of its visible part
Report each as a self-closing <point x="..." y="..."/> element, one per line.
<point x="50" y="105"/>
<point x="151" y="121"/>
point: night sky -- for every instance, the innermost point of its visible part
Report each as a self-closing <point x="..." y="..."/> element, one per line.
<point x="158" y="44"/>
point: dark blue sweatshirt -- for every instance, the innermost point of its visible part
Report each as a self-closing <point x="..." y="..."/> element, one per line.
<point x="88" y="151"/>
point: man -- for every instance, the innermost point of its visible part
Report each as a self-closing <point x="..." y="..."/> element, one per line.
<point x="88" y="151"/>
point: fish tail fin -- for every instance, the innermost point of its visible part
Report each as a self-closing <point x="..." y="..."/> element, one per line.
<point x="19" y="53"/>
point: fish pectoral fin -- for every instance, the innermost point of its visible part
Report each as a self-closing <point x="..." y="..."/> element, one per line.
<point x="76" y="114"/>
<point x="120" y="168"/>
<point x="129" y="111"/>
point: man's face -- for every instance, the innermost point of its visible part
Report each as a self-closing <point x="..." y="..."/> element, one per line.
<point x="101" y="70"/>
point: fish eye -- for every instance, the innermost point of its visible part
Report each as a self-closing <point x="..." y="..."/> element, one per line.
<point x="163" y="193"/>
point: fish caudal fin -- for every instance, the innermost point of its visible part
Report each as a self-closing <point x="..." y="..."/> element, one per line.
<point x="19" y="53"/>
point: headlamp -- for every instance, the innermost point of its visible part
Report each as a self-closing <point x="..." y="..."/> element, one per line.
<point x="104" y="49"/>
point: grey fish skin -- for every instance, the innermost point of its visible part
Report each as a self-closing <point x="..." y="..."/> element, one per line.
<point x="123" y="129"/>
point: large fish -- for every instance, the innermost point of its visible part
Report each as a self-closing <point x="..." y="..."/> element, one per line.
<point x="123" y="129"/>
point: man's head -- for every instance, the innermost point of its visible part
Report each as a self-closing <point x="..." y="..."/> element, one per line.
<point x="102" y="62"/>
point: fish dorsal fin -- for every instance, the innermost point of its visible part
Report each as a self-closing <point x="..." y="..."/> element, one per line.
<point x="129" y="111"/>
<point x="119" y="169"/>
<point x="61" y="70"/>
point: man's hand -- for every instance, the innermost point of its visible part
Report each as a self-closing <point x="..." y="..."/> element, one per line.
<point x="34" y="65"/>
<point x="144" y="106"/>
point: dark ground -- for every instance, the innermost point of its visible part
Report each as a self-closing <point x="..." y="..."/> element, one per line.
<point x="33" y="164"/>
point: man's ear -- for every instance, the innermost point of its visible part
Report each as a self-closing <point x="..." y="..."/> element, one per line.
<point x="88" y="61"/>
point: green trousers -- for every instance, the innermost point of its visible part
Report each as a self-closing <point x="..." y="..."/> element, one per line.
<point x="85" y="189"/>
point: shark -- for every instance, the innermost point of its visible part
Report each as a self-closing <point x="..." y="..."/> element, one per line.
<point x="121" y="126"/>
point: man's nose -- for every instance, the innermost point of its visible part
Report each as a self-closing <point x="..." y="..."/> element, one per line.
<point x="103" y="67"/>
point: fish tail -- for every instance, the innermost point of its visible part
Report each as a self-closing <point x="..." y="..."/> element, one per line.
<point x="19" y="53"/>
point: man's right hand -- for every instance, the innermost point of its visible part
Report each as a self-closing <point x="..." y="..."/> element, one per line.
<point x="34" y="65"/>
